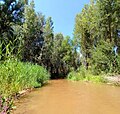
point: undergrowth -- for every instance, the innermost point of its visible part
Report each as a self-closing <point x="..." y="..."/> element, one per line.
<point x="16" y="76"/>
<point x="85" y="75"/>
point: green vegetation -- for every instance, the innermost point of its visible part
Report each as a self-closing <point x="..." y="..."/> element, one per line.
<point x="96" y="33"/>
<point x="16" y="76"/>
<point x="29" y="49"/>
<point x="84" y="75"/>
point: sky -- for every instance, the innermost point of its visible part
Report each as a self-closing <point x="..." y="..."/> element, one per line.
<point x="63" y="13"/>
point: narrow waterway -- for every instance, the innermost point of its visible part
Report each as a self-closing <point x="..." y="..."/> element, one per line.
<point x="66" y="97"/>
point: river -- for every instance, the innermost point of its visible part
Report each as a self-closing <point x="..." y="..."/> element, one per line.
<point x="66" y="97"/>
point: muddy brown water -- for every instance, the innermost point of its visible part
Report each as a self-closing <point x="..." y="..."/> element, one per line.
<point x="66" y="97"/>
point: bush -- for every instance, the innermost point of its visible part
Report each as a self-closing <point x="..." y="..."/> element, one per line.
<point x="77" y="75"/>
<point x="16" y="76"/>
<point x="85" y="75"/>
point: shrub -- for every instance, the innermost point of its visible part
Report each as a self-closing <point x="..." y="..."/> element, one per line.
<point x="85" y="75"/>
<point x="16" y="76"/>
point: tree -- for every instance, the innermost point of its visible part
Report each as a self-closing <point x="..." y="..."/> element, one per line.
<point x="84" y="31"/>
<point x="109" y="19"/>
<point x="103" y="58"/>
<point x="98" y="21"/>
<point x="46" y="51"/>
<point x="64" y="55"/>
<point x="10" y="15"/>
<point x="56" y="55"/>
<point x="32" y="30"/>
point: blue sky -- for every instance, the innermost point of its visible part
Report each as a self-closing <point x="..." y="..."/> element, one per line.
<point x="63" y="13"/>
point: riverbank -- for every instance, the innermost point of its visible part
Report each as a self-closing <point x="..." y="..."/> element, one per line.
<point x="87" y="76"/>
<point x="15" y="77"/>
<point x="113" y="80"/>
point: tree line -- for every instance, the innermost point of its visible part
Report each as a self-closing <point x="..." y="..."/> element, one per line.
<point x="97" y="33"/>
<point x="29" y="36"/>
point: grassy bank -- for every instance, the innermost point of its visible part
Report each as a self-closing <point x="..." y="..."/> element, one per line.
<point x="16" y="76"/>
<point x="85" y="75"/>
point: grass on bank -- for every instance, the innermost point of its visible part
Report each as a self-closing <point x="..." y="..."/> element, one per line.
<point x="85" y="75"/>
<point x="16" y="76"/>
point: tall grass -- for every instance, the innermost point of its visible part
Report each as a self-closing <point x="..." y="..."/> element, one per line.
<point x="16" y="76"/>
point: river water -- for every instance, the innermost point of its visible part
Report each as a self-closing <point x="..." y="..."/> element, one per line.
<point x="66" y="97"/>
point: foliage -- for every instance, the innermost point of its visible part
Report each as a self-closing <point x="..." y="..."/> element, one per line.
<point x="32" y="33"/>
<point x="85" y="26"/>
<point x="6" y="105"/>
<point x="102" y="58"/>
<point x="55" y="52"/>
<point x="28" y="36"/>
<point x="45" y="56"/>
<point x="85" y="75"/>
<point x="10" y="15"/>
<point x="116" y="67"/>
<point x="64" y="55"/>
<point x="16" y="76"/>
<point x="96" y="30"/>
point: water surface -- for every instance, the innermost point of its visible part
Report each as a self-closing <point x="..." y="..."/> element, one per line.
<point x="66" y="97"/>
